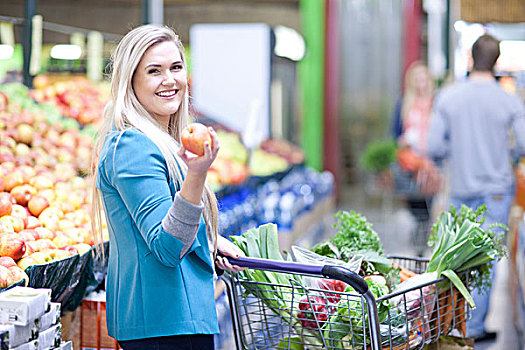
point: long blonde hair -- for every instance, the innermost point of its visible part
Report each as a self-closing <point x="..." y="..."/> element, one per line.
<point x="410" y="92"/>
<point x="125" y="111"/>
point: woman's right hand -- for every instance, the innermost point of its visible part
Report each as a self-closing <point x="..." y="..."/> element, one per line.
<point x="193" y="184"/>
<point x="199" y="165"/>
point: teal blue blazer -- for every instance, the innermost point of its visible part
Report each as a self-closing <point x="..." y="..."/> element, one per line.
<point x="150" y="290"/>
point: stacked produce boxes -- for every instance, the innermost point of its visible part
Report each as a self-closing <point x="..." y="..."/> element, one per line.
<point x="30" y="321"/>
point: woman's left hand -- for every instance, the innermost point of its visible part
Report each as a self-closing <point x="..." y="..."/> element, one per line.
<point x="227" y="248"/>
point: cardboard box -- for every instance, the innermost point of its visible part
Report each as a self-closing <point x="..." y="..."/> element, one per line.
<point x="50" y="318"/>
<point x="32" y="345"/>
<point x="19" y="335"/>
<point x="21" y="305"/>
<point x="50" y="338"/>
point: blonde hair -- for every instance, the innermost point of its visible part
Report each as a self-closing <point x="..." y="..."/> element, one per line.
<point x="410" y="92"/>
<point x="125" y="111"/>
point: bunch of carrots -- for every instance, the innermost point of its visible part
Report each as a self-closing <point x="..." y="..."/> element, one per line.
<point x="404" y="273"/>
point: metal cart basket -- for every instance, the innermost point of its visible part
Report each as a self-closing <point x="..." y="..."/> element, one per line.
<point x="295" y="316"/>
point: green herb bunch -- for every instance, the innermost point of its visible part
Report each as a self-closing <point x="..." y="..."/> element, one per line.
<point x="355" y="236"/>
<point x="378" y="156"/>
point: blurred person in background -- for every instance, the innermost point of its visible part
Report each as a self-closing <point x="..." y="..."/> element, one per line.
<point x="470" y="126"/>
<point x="161" y="214"/>
<point x="411" y="121"/>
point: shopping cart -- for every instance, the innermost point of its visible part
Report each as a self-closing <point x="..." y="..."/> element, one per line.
<point x="415" y="191"/>
<point x="314" y="318"/>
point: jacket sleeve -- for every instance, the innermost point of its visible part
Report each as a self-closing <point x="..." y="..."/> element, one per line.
<point x="139" y="172"/>
<point x="438" y="133"/>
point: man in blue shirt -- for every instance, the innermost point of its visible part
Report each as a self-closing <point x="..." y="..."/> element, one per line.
<point x="470" y="126"/>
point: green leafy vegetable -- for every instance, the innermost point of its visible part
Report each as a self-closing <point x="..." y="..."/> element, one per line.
<point x="355" y="236"/>
<point x="354" y="233"/>
<point x="461" y="244"/>
<point x="378" y="156"/>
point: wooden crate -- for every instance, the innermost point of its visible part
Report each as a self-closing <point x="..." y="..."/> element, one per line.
<point x="93" y="329"/>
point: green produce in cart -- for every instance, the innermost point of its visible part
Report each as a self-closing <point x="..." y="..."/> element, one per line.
<point x="460" y="244"/>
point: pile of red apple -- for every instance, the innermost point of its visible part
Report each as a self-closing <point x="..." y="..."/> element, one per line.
<point x="44" y="202"/>
<point x="26" y="138"/>
<point x="77" y="98"/>
<point x="42" y="218"/>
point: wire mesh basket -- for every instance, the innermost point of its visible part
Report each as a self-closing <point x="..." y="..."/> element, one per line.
<point x="294" y="316"/>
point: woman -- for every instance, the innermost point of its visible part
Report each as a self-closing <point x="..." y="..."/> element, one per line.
<point x="412" y="114"/>
<point x="415" y="176"/>
<point x="161" y="215"/>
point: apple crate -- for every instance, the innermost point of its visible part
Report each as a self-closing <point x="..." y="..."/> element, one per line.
<point x="93" y="329"/>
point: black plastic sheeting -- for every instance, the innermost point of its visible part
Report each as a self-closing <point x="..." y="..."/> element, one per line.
<point x="69" y="279"/>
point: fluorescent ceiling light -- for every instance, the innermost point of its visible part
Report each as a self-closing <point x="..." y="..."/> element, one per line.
<point x="289" y="43"/>
<point x="6" y="51"/>
<point x="66" y="52"/>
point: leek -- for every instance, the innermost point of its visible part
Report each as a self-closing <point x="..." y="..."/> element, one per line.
<point x="461" y="245"/>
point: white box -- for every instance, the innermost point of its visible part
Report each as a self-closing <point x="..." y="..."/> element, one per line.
<point x="50" y="338"/>
<point x="32" y="345"/>
<point x="50" y="318"/>
<point x="19" y="335"/>
<point x="21" y="305"/>
<point x="66" y="345"/>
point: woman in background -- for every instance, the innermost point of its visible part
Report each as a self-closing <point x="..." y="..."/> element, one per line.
<point x="411" y="122"/>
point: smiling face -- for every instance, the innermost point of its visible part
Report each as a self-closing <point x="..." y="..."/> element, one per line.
<point x="160" y="81"/>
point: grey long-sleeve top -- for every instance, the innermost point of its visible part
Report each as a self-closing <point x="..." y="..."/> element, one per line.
<point x="470" y="125"/>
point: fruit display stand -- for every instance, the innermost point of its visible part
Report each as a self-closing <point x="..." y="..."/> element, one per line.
<point x="45" y="239"/>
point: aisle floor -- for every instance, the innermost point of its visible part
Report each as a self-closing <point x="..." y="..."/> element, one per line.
<point x="393" y="222"/>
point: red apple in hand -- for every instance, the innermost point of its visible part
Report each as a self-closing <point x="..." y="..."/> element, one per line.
<point x="194" y="136"/>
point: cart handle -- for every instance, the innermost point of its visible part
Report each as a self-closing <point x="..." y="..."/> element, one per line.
<point x="329" y="271"/>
